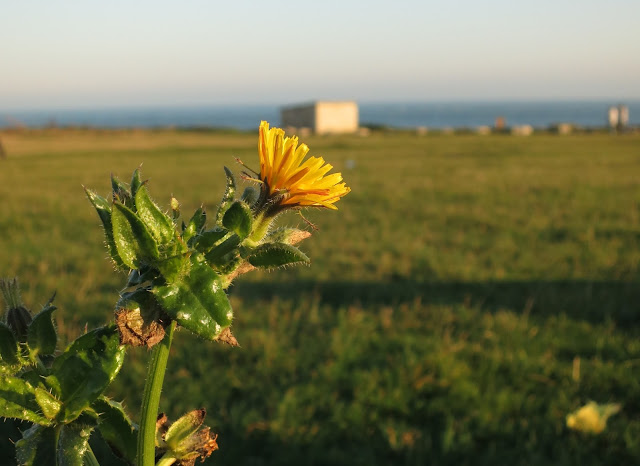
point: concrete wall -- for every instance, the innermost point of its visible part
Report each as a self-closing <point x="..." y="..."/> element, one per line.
<point x="336" y="117"/>
<point x="303" y="116"/>
<point x="323" y="117"/>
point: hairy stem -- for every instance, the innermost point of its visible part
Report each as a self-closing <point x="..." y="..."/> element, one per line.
<point x="89" y="458"/>
<point x="151" y="399"/>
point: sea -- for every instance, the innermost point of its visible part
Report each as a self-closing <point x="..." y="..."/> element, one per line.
<point x="539" y="114"/>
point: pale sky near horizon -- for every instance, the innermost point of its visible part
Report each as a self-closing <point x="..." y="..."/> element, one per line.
<point x="126" y="53"/>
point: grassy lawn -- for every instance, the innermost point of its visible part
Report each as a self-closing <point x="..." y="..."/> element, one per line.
<point x="449" y="302"/>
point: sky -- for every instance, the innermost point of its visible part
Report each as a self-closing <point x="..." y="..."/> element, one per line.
<point x="83" y="54"/>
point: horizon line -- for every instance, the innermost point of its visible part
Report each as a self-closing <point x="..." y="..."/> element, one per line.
<point x="281" y="104"/>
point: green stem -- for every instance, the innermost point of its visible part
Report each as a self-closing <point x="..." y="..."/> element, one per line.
<point x="167" y="460"/>
<point x="89" y="458"/>
<point x="151" y="399"/>
<point x="260" y="227"/>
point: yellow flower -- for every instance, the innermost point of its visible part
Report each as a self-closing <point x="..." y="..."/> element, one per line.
<point x="285" y="172"/>
<point x="592" y="417"/>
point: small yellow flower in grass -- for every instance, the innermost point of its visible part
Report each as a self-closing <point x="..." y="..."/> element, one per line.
<point x="592" y="417"/>
<point x="285" y="173"/>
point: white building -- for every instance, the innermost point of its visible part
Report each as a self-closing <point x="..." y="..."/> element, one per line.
<point x="322" y="117"/>
<point x="614" y="117"/>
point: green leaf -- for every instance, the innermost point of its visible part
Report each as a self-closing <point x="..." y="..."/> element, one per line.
<point x="197" y="301"/>
<point x="136" y="182"/>
<point x="49" y="404"/>
<point x="139" y="276"/>
<point x="207" y="239"/>
<point x="158" y="223"/>
<point x="37" y="446"/>
<point x="18" y="400"/>
<point x="62" y="446"/>
<point x="85" y="369"/>
<point x="34" y="377"/>
<point x="11" y="431"/>
<point x="73" y="443"/>
<point x="104" y="212"/>
<point x="271" y="255"/>
<point x="136" y="247"/>
<point x="41" y="336"/>
<point x="195" y="225"/>
<point x="8" y="346"/>
<point x="121" y="192"/>
<point x="231" y="262"/>
<point x="250" y="195"/>
<point x="103" y="452"/>
<point x="116" y="427"/>
<point x="217" y="255"/>
<point x="174" y="267"/>
<point x="239" y="219"/>
<point x="227" y="197"/>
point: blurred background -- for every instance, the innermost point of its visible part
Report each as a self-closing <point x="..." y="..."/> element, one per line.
<point x="479" y="283"/>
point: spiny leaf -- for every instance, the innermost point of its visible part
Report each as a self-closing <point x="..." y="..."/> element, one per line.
<point x="216" y="256"/>
<point x="136" y="182"/>
<point x="207" y="239"/>
<point x="49" y="404"/>
<point x="18" y="400"/>
<point x="195" y="225"/>
<point x="8" y="346"/>
<point x="159" y="224"/>
<point x="227" y="197"/>
<point x="197" y="301"/>
<point x="104" y="212"/>
<point x="116" y="427"/>
<point x="231" y="262"/>
<point x="37" y="446"/>
<point x="73" y="443"/>
<point x="42" y="336"/>
<point x="136" y="247"/>
<point x="250" y="195"/>
<point x="174" y="267"/>
<point x="85" y="369"/>
<point x="239" y="219"/>
<point x="271" y="255"/>
<point x="121" y="192"/>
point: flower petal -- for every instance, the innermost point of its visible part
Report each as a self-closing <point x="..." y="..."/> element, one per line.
<point x="284" y="170"/>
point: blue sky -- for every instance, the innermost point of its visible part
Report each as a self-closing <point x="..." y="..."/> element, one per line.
<point x="86" y="53"/>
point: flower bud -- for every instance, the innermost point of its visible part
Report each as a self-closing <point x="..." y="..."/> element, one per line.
<point x="185" y="439"/>
<point x="175" y="208"/>
<point x="18" y="317"/>
<point x="18" y="320"/>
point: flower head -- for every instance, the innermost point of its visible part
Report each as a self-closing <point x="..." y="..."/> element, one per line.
<point x="592" y="417"/>
<point x="284" y="171"/>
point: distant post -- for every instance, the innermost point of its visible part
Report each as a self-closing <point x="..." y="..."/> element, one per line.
<point x="623" y="117"/>
<point x="618" y="117"/>
<point x="614" y="118"/>
<point x="3" y="153"/>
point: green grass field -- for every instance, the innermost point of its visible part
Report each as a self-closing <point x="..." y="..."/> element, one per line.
<point x="448" y="303"/>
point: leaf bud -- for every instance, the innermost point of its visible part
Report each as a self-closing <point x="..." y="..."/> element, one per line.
<point x="18" y="317"/>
